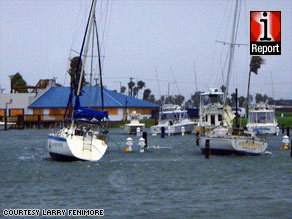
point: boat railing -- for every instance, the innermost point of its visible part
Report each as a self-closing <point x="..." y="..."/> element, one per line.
<point x="55" y="127"/>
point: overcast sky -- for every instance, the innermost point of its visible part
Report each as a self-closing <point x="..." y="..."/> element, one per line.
<point x="36" y="37"/>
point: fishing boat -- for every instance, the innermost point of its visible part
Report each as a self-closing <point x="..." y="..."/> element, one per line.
<point x="261" y="119"/>
<point x="131" y="128"/>
<point x="85" y="137"/>
<point x="217" y="134"/>
<point x="174" y="120"/>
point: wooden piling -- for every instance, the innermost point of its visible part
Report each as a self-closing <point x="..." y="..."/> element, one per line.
<point x="207" y="148"/>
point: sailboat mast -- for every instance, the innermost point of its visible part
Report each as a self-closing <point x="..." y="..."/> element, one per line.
<point x="233" y="39"/>
<point x="99" y="66"/>
<point x="86" y="47"/>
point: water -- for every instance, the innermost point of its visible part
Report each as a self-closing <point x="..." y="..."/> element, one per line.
<point x="162" y="183"/>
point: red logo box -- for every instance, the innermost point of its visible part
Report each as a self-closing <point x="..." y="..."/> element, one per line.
<point x="265" y="33"/>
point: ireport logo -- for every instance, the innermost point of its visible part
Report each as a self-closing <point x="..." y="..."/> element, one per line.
<point x="265" y="33"/>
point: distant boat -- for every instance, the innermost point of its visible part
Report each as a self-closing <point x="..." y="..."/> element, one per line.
<point x="9" y="125"/>
<point x="261" y="119"/>
<point x="216" y="120"/>
<point x="131" y="128"/>
<point x="85" y="138"/>
<point x="173" y="119"/>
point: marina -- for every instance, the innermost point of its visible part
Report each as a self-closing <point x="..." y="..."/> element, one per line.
<point x="146" y="109"/>
<point x="160" y="182"/>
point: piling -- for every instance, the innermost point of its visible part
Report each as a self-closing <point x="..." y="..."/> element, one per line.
<point x="129" y="144"/>
<point x="142" y="145"/>
<point x="197" y="139"/>
<point x="5" y="122"/>
<point x="183" y="130"/>
<point x="207" y="148"/>
<point x="39" y="122"/>
<point x="288" y="131"/>
<point x="20" y="121"/>
<point x="283" y="129"/>
<point x="144" y="135"/>
<point x="291" y="149"/>
<point x="138" y="131"/>
<point x="162" y="133"/>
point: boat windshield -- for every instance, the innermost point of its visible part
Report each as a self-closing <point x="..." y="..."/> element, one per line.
<point x="261" y="117"/>
<point x="212" y="99"/>
<point x="134" y="117"/>
<point x="174" y="116"/>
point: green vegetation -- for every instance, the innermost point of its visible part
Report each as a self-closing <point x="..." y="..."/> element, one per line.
<point x="148" y="122"/>
<point x="286" y="121"/>
<point x="17" y="81"/>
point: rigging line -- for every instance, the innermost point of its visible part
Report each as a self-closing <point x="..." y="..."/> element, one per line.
<point x="175" y="81"/>
<point x="107" y="31"/>
<point x="75" y="30"/>
<point x="104" y="26"/>
<point x="212" y="65"/>
<point x="225" y="36"/>
<point x="102" y="44"/>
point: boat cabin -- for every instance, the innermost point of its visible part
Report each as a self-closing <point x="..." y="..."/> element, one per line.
<point x="211" y="108"/>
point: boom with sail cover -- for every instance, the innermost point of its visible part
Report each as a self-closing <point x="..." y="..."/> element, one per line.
<point x="85" y="113"/>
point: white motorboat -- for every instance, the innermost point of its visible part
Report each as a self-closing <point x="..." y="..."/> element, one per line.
<point x="131" y="128"/>
<point x="261" y="119"/>
<point x="174" y="120"/>
<point x="85" y="138"/>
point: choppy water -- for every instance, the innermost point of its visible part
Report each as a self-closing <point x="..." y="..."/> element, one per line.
<point x="175" y="183"/>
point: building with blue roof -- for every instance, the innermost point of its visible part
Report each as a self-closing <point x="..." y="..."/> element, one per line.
<point x="52" y="104"/>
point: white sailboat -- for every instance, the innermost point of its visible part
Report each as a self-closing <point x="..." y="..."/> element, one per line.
<point x="131" y="128"/>
<point x="261" y="119"/>
<point x="174" y="120"/>
<point x="84" y="138"/>
<point x="220" y="134"/>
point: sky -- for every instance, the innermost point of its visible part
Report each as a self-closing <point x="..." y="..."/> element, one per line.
<point x="175" y="37"/>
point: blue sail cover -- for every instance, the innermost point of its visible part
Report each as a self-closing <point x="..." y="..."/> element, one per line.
<point x="80" y="112"/>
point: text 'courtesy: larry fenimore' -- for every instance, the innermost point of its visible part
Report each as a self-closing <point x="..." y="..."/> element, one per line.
<point x="53" y="212"/>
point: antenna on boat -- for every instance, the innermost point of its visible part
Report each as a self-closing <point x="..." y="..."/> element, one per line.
<point x="195" y="73"/>
<point x="273" y="94"/>
<point x="157" y="81"/>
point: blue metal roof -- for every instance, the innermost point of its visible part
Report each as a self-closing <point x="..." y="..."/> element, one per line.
<point x="57" y="97"/>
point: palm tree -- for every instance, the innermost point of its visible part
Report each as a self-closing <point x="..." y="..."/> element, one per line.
<point x="123" y="89"/>
<point x="17" y="80"/>
<point x="140" y="86"/>
<point x="131" y="84"/>
<point x="146" y="94"/>
<point x="135" y="91"/>
<point x="255" y="64"/>
<point x="72" y="72"/>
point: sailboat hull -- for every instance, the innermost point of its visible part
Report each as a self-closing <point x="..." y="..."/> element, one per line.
<point x="72" y="147"/>
<point x="233" y="145"/>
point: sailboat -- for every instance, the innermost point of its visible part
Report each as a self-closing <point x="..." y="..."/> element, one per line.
<point x="84" y="138"/>
<point x="220" y="136"/>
